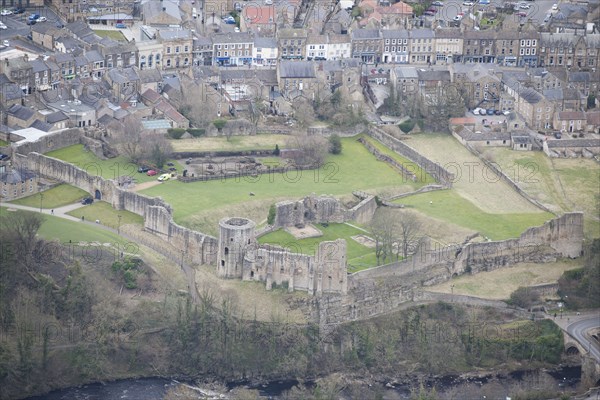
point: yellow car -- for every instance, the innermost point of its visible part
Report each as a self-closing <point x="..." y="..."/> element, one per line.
<point x="164" y="177"/>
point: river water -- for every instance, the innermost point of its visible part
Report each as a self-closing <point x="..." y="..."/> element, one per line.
<point x="565" y="378"/>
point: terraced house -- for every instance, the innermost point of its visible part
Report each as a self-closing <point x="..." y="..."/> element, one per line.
<point x="177" y="48"/>
<point x="232" y="49"/>
<point x="569" y="50"/>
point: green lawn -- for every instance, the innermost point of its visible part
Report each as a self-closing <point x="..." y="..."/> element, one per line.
<point x="359" y="257"/>
<point x="422" y="176"/>
<point x="107" y="215"/>
<point x="3" y="143"/>
<point x="109" y="169"/>
<point x="115" y="35"/>
<point x="55" y="197"/>
<point x="65" y="230"/>
<point x="449" y="206"/>
<point x="235" y="143"/>
<point x="354" y="169"/>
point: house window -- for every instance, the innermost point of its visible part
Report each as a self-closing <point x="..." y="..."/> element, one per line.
<point x="168" y="50"/>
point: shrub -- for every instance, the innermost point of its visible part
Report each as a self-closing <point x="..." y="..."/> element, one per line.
<point x="175" y="133"/>
<point x="272" y="214"/>
<point x="196" y="132"/>
<point x="407" y="126"/>
<point x="335" y="144"/>
<point x="219" y="124"/>
<point x="524" y="297"/>
<point x="276" y="152"/>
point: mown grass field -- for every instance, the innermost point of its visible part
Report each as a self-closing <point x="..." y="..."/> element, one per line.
<point x="450" y="206"/>
<point x="359" y="257"/>
<point x="110" y="169"/>
<point x="235" y="143"/>
<point x="473" y="180"/>
<point x="500" y="283"/>
<point x="561" y="184"/>
<point x="63" y="230"/>
<point x="108" y="216"/>
<point x="55" y="197"/>
<point x="198" y="204"/>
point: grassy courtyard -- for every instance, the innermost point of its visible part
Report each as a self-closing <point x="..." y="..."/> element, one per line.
<point x="115" y="35"/>
<point x="450" y="206"/>
<point x="359" y="256"/>
<point x="200" y="204"/>
<point x="107" y="215"/>
<point x="500" y="283"/>
<point x="55" y="197"/>
<point x="561" y="184"/>
<point x="3" y="143"/>
<point x="109" y="169"/>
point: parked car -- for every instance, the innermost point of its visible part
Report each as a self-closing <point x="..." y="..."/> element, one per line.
<point x="170" y="164"/>
<point x="269" y="2"/>
<point x="87" y="200"/>
<point x="490" y="111"/>
<point x="524" y="6"/>
<point x="554" y="7"/>
<point x="457" y="18"/>
<point x="498" y="112"/>
<point x="19" y="10"/>
<point x="42" y="19"/>
<point x="432" y="10"/>
<point x="483" y="111"/>
<point x="143" y="169"/>
<point x="120" y="26"/>
<point x="164" y="177"/>
<point x="476" y="111"/>
<point x="557" y="135"/>
<point x="2" y="26"/>
<point x="31" y="21"/>
<point x="151" y="172"/>
<point x="34" y="17"/>
<point x="6" y="12"/>
<point x="3" y="156"/>
<point x="5" y="43"/>
<point x="236" y="29"/>
<point x="521" y="14"/>
<point x="505" y="112"/>
<point x="468" y="3"/>
<point x="438" y="3"/>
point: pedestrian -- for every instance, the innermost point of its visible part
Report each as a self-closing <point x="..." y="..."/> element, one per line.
<point x="82" y="218"/>
<point x="52" y="212"/>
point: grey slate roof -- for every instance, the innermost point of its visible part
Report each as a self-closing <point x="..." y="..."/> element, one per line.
<point x="42" y="126"/>
<point x="406" y="73"/>
<point x="38" y="65"/>
<point x="16" y="175"/>
<point x="56" y="117"/>
<point x="364" y="34"/>
<point x="296" y="69"/>
<point x="265" y="42"/>
<point x="395" y="34"/>
<point x="20" y="112"/>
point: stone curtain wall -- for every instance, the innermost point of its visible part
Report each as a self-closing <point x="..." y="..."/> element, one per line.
<point x="441" y="175"/>
<point x="388" y="160"/>
<point x="50" y="142"/>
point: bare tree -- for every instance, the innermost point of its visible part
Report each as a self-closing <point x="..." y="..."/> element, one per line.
<point x="309" y="149"/>
<point x="200" y="103"/>
<point x="408" y="235"/>
<point x="303" y="111"/>
<point x="129" y="141"/>
<point x="157" y="149"/>
<point x="395" y="233"/>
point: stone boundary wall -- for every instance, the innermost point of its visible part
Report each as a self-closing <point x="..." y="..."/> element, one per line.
<point x="439" y="173"/>
<point x="389" y="160"/>
<point x="428" y="188"/>
<point x="204" y="154"/>
<point x="328" y="131"/>
<point x="507" y="179"/>
<point x="53" y="141"/>
<point x="274" y="131"/>
<point x="241" y="174"/>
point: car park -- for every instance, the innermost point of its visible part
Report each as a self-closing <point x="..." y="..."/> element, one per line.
<point x="87" y="200"/>
<point x="164" y="177"/>
<point x="151" y="172"/>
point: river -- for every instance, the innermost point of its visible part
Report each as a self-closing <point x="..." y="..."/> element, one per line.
<point x="494" y="385"/>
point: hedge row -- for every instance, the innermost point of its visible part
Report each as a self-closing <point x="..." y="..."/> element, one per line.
<point x="177" y="133"/>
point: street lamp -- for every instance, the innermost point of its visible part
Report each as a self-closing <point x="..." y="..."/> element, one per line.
<point x="41" y="200"/>
<point x="119" y="225"/>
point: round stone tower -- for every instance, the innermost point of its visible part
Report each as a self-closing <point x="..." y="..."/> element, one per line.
<point x="235" y="236"/>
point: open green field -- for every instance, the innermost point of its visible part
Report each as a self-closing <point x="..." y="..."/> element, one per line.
<point x="422" y="176"/>
<point x="448" y="205"/>
<point x="560" y="184"/>
<point x="200" y="204"/>
<point x="500" y="283"/>
<point x="109" y="169"/>
<point x="235" y="143"/>
<point x="473" y="180"/>
<point x="108" y="216"/>
<point x="56" y="228"/>
<point x="115" y="35"/>
<point x="55" y="197"/>
<point x="359" y="257"/>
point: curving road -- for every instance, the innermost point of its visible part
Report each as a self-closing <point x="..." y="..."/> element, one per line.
<point x="578" y="330"/>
